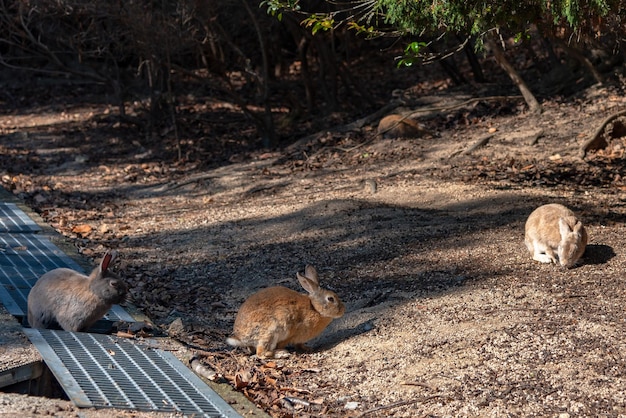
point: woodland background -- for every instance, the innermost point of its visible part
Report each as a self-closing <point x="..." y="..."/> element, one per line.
<point x="221" y="145"/>
<point x="287" y="65"/>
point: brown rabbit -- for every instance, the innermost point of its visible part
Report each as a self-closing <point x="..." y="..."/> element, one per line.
<point x="72" y="300"/>
<point x="277" y="316"/>
<point x="555" y="235"/>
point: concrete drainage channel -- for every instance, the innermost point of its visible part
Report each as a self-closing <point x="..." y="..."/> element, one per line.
<point x="93" y="370"/>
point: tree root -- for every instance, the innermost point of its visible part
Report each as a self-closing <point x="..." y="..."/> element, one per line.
<point x="598" y="141"/>
<point x="358" y="124"/>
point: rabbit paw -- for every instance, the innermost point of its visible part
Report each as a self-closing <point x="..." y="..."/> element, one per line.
<point x="262" y="352"/>
<point x="543" y="254"/>
<point x="544" y="258"/>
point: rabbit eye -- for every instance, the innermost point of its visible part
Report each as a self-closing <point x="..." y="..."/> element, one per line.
<point x="330" y="299"/>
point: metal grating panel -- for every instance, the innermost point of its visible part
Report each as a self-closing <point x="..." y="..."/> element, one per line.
<point x="103" y="371"/>
<point x="13" y="219"/>
<point x="23" y="259"/>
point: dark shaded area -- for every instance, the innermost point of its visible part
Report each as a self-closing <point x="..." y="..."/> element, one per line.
<point x="598" y="254"/>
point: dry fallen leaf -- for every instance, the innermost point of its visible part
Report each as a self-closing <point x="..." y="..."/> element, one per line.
<point x="269" y="365"/>
<point x="293" y="389"/>
<point x="243" y="379"/>
<point x="82" y="229"/>
<point x="239" y="382"/>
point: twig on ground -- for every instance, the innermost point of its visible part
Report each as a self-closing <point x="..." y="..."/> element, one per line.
<point x="421" y="384"/>
<point x="462" y="104"/>
<point x="345" y="128"/>
<point x="514" y="310"/>
<point x="397" y="404"/>
<point x="385" y="110"/>
<point x="479" y="143"/>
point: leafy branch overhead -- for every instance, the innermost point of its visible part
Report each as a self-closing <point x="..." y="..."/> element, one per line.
<point x="458" y="16"/>
<point x="423" y="22"/>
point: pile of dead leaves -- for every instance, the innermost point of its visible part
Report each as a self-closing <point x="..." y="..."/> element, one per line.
<point x="269" y="384"/>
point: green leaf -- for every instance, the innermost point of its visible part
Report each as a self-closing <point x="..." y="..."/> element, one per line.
<point x="318" y="22"/>
<point x="414" y="48"/>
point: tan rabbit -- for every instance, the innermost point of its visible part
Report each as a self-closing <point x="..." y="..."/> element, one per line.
<point x="277" y="316"/>
<point x="555" y="235"/>
<point x="72" y="300"/>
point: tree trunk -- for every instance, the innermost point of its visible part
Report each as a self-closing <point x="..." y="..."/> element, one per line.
<point x="477" y="70"/>
<point x="268" y="133"/>
<point x="580" y="57"/>
<point x="498" y="53"/>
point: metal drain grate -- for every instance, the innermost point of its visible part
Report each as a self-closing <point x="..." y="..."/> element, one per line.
<point x="13" y="219"/>
<point x="23" y="259"/>
<point x="103" y="371"/>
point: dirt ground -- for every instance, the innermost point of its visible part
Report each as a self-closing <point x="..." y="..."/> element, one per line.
<point x="447" y="314"/>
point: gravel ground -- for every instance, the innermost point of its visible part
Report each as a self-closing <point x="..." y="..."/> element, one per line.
<point x="447" y="314"/>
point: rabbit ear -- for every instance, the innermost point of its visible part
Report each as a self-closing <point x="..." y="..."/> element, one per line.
<point x="564" y="227"/>
<point x="578" y="227"/>
<point x="106" y="260"/>
<point x="309" y="281"/>
<point x="311" y="273"/>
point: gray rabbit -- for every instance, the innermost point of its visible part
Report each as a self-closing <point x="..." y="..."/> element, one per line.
<point x="73" y="300"/>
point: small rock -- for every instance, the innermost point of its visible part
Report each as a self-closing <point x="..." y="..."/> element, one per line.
<point x="351" y="406"/>
<point x="176" y="327"/>
<point x="370" y="185"/>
